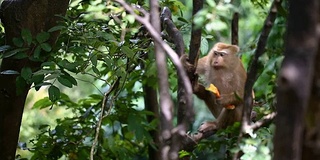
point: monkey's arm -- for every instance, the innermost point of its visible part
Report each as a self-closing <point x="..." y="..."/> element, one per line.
<point x="208" y="97"/>
<point x="233" y="98"/>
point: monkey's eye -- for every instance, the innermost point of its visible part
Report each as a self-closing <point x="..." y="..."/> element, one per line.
<point x="216" y="53"/>
<point x="222" y="54"/>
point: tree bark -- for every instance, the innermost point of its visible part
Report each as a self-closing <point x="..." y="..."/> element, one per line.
<point x="37" y="16"/>
<point x="295" y="79"/>
<point x="311" y="145"/>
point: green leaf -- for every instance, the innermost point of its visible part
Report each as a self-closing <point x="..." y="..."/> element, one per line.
<point x="46" y="47"/>
<point x="21" y="85"/>
<point x="44" y="126"/>
<point x="48" y="65"/>
<point x="184" y="153"/>
<point x="26" y="73"/>
<point x="130" y="18"/>
<point x="20" y="55"/>
<point x="94" y="59"/>
<point x="216" y="25"/>
<point x="14" y="52"/>
<point x="39" y="85"/>
<point x="134" y="125"/>
<point x="17" y="42"/>
<point x="126" y="50"/>
<point x="54" y="93"/>
<point x="95" y="70"/>
<point x="204" y="46"/>
<point x="65" y="82"/>
<point x="37" y="52"/>
<point x="56" y="28"/>
<point x="211" y="3"/>
<point x="42" y="103"/>
<point x="43" y="72"/>
<point x="70" y="78"/>
<point x="68" y="65"/>
<point x="37" y="79"/>
<point x="42" y="37"/>
<point x="26" y="36"/>
<point x="52" y="76"/>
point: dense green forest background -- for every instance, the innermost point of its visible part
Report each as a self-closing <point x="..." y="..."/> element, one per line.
<point x="87" y="98"/>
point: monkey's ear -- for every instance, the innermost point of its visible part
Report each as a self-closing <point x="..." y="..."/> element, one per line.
<point x="234" y="49"/>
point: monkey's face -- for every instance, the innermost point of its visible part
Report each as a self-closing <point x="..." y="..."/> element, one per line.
<point x="219" y="59"/>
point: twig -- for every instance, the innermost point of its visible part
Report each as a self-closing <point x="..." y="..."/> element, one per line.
<point x="263" y="121"/>
<point x="103" y="106"/>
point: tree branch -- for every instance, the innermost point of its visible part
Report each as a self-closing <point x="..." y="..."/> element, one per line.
<point x="263" y="121"/>
<point x="185" y="114"/>
<point x="195" y="35"/>
<point x="253" y="67"/>
<point x="234" y="29"/>
<point x="166" y="104"/>
<point x="103" y="106"/>
<point x="252" y="74"/>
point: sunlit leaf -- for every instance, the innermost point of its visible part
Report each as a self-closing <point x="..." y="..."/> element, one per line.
<point x="42" y="103"/>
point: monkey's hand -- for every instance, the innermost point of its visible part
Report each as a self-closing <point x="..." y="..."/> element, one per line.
<point x="208" y="126"/>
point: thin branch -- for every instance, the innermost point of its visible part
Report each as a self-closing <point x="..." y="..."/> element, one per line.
<point x="172" y="30"/>
<point x="195" y="35"/>
<point x="253" y="68"/>
<point x="263" y="121"/>
<point x="191" y="140"/>
<point x="103" y="106"/>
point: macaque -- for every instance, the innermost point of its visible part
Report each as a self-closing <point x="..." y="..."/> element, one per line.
<point x="222" y="68"/>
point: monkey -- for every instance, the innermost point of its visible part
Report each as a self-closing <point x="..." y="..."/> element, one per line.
<point x="224" y="69"/>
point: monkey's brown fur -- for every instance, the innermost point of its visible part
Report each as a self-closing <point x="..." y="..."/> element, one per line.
<point x="222" y="68"/>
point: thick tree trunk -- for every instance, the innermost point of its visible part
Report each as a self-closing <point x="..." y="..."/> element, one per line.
<point x="36" y="16"/>
<point x="311" y="145"/>
<point x="295" y="79"/>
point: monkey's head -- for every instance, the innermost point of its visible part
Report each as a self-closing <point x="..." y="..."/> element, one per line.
<point x="223" y="56"/>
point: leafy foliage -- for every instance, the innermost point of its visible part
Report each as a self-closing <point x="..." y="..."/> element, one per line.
<point x="101" y="45"/>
